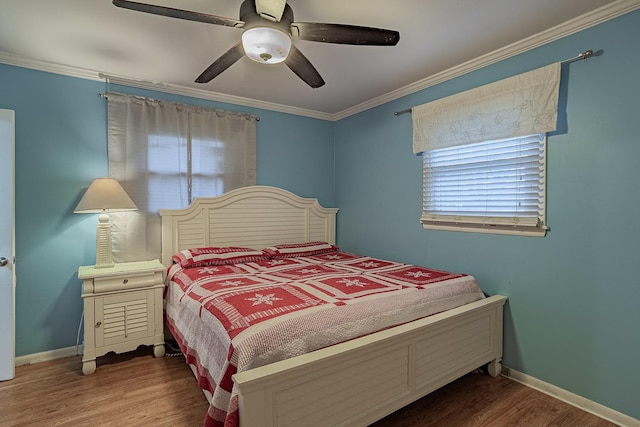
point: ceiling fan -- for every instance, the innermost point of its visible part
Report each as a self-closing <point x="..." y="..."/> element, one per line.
<point x="268" y="28"/>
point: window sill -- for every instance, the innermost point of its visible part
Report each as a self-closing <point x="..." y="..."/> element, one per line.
<point x="486" y="228"/>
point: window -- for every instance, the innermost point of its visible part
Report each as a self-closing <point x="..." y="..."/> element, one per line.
<point x="484" y="153"/>
<point x="166" y="154"/>
<point x="198" y="167"/>
<point x="493" y="186"/>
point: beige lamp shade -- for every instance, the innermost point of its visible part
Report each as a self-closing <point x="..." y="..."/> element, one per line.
<point x="105" y="194"/>
<point x="102" y="196"/>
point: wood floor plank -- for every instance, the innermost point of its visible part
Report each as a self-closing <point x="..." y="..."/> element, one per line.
<point x="136" y="389"/>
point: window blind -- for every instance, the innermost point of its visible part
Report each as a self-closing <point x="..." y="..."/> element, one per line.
<point x="493" y="184"/>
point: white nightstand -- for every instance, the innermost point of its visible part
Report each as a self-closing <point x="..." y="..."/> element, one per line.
<point x="122" y="309"/>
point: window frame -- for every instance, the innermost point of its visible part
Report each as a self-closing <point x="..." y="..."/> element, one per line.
<point x="510" y="225"/>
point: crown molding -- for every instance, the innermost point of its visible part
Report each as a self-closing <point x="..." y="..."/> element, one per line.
<point x="50" y="67"/>
<point x="605" y="13"/>
<point x="213" y="96"/>
<point x="595" y="17"/>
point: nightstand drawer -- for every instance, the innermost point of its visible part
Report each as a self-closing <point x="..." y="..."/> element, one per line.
<point x="107" y="284"/>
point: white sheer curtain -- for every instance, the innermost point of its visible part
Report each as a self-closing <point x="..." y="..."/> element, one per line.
<point x="521" y="105"/>
<point x="165" y="154"/>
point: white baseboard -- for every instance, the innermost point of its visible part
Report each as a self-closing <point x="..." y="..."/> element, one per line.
<point x="572" y="399"/>
<point x="49" y="355"/>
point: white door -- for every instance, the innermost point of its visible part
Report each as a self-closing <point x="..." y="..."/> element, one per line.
<point x="7" y="272"/>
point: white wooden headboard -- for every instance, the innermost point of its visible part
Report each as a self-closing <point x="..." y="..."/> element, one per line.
<point x="255" y="217"/>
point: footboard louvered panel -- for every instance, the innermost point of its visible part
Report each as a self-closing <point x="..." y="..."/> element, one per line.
<point x="456" y="350"/>
<point x="322" y="406"/>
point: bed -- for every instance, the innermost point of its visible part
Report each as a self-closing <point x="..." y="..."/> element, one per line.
<point x="354" y="382"/>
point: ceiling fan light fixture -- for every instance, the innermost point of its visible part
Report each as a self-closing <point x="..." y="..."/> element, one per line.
<point x="266" y="45"/>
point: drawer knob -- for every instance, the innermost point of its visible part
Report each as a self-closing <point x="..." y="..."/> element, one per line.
<point x="125" y="281"/>
<point x="98" y="324"/>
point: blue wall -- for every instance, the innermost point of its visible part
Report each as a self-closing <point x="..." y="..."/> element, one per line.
<point x="572" y="318"/>
<point x="61" y="146"/>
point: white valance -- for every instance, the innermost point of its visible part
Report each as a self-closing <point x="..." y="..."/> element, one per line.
<point x="521" y="105"/>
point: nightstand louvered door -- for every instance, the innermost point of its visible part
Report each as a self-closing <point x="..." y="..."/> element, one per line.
<point x="120" y="318"/>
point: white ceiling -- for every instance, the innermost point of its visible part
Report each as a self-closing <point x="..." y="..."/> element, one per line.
<point x="88" y="37"/>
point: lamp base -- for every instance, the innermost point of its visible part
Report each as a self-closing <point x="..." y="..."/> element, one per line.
<point x="103" y="242"/>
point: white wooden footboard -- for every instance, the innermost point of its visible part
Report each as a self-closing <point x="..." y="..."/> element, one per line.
<point x="362" y="380"/>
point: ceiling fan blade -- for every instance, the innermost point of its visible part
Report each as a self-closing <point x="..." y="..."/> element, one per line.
<point x="270" y="9"/>
<point x="344" y="34"/>
<point x="178" y="13"/>
<point x="299" y="64"/>
<point x="219" y="65"/>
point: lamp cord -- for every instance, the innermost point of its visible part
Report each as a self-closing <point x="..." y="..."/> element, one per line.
<point x="78" y="337"/>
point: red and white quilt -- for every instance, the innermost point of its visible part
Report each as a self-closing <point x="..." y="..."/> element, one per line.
<point x="231" y="318"/>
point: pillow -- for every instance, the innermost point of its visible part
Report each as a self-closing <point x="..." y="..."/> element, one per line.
<point x="198" y="257"/>
<point x="292" y="250"/>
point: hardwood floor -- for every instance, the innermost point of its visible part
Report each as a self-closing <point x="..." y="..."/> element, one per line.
<point x="135" y="389"/>
<point x="132" y="389"/>
<point x="477" y="400"/>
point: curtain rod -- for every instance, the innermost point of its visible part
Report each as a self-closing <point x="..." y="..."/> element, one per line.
<point x="106" y="96"/>
<point x="584" y="55"/>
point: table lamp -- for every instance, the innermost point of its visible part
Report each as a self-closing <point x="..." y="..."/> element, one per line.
<point x="104" y="195"/>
